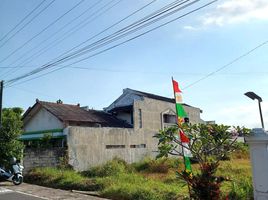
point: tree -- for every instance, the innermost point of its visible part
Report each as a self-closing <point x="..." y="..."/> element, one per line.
<point x="209" y="144"/>
<point x="9" y="133"/>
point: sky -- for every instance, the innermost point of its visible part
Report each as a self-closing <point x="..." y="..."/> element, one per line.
<point x="216" y="54"/>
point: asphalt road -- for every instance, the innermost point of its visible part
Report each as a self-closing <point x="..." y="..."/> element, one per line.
<point x="25" y="191"/>
<point x="6" y="194"/>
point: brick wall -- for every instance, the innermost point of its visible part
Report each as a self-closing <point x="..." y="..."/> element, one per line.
<point x="38" y="157"/>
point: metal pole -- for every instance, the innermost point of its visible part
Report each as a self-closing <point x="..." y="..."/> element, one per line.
<point x="262" y="124"/>
<point x="1" y="101"/>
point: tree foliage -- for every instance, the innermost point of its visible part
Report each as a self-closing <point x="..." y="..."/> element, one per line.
<point x="209" y="144"/>
<point x="9" y="133"/>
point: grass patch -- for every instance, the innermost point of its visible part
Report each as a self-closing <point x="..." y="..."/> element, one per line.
<point x="135" y="186"/>
<point x="62" y="179"/>
<point x="145" y="180"/>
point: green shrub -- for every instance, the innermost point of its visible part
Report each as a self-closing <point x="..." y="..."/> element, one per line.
<point x="62" y="179"/>
<point x="156" y="166"/>
<point x="111" y="168"/>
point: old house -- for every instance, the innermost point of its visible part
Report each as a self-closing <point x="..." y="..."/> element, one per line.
<point x="149" y="111"/>
<point x="124" y="129"/>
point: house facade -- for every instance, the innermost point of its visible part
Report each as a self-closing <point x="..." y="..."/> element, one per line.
<point x="124" y="129"/>
<point x="148" y="111"/>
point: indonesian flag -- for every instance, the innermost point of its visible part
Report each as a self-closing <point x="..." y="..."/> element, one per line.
<point x="181" y="114"/>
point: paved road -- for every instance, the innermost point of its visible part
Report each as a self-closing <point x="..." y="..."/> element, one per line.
<point x="6" y="194"/>
<point x="33" y="192"/>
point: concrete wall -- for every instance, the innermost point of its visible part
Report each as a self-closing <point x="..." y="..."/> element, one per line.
<point x="152" y="111"/>
<point x="87" y="146"/>
<point x="43" y="120"/>
<point x="34" y="157"/>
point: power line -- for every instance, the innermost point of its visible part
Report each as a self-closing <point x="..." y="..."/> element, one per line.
<point x="227" y="65"/>
<point x="128" y="40"/>
<point x="33" y="18"/>
<point x="44" y="29"/>
<point x="137" y="23"/>
<point x="32" y="57"/>
<point x="22" y="20"/>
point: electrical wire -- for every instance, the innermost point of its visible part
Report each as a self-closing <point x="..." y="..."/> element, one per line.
<point x="65" y="35"/>
<point x="22" y="20"/>
<point x="35" y="55"/>
<point x="227" y="65"/>
<point x="43" y="30"/>
<point x="128" y="40"/>
<point x="62" y="60"/>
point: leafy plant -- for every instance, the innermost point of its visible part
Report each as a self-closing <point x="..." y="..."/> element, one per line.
<point x="209" y="144"/>
<point x="9" y="133"/>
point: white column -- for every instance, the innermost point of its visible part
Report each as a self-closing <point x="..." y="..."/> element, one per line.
<point x="258" y="143"/>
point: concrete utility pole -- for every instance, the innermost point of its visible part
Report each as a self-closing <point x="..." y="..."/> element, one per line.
<point x="1" y="101"/>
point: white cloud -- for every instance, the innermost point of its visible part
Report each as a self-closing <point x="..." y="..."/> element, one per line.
<point x="243" y="115"/>
<point x="234" y="11"/>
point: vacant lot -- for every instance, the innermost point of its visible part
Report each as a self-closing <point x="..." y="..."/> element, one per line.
<point x="147" y="180"/>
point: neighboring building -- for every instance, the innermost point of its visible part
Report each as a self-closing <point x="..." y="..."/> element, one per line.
<point x="148" y="111"/>
<point x="124" y="129"/>
<point x="47" y="117"/>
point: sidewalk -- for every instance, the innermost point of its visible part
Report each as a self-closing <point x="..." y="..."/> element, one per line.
<point x="47" y="193"/>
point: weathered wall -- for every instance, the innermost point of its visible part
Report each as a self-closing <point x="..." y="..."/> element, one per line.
<point x="152" y="113"/>
<point x="87" y="146"/>
<point x="43" y="120"/>
<point x="34" y="157"/>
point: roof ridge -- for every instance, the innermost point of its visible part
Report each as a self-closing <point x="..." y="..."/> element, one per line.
<point x="39" y="101"/>
<point x="149" y="93"/>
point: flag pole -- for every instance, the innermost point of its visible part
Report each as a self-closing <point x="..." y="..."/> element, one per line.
<point x="184" y="160"/>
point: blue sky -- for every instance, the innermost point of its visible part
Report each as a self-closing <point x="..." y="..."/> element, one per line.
<point x="187" y="49"/>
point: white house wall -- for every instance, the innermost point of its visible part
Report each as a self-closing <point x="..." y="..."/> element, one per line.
<point x="43" y="120"/>
<point x="87" y="145"/>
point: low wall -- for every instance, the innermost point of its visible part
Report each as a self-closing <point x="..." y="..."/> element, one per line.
<point x="36" y="157"/>
<point x="89" y="147"/>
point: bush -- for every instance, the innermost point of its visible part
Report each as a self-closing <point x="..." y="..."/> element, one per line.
<point x="111" y="168"/>
<point x="156" y="166"/>
<point x="62" y="179"/>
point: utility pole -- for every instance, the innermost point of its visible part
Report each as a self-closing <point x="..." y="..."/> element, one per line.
<point x="1" y="101"/>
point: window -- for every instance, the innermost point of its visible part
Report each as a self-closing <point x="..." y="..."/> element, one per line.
<point x="138" y="146"/>
<point x="140" y="118"/>
<point x="115" y="146"/>
<point x="169" y="119"/>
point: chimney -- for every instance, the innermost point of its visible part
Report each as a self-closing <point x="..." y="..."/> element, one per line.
<point x="59" y="101"/>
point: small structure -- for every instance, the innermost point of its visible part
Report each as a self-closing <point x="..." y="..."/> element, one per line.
<point x="52" y="120"/>
<point x="258" y="143"/>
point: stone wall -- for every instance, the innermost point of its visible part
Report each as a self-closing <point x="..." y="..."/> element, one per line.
<point x="89" y="147"/>
<point x="34" y="157"/>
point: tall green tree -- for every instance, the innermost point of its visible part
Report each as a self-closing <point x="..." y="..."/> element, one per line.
<point x="9" y="133"/>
